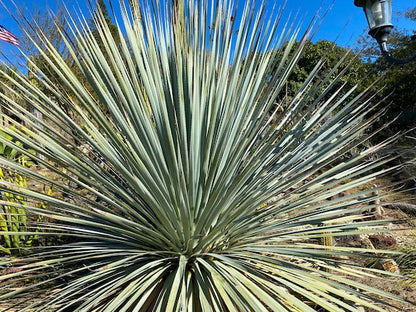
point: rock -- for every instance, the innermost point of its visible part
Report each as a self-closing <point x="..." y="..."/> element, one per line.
<point x="390" y="265"/>
<point x="366" y="242"/>
<point x="380" y="241"/>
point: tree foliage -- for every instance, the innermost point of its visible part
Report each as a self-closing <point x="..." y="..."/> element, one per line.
<point x="336" y="63"/>
<point x="397" y="82"/>
<point x="53" y="25"/>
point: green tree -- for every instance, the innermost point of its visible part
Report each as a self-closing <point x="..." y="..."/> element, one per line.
<point x="396" y="81"/>
<point x="52" y="25"/>
<point x="337" y="63"/>
<point x="185" y="200"/>
<point x="101" y="9"/>
<point x="8" y="73"/>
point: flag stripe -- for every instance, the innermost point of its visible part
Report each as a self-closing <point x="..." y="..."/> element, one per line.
<point x="7" y="36"/>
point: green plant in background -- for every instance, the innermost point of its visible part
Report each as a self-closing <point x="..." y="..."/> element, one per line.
<point x="13" y="218"/>
<point x="7" y="151"/>
<point x="184" y="196"/>
<point x="407" y="263"/>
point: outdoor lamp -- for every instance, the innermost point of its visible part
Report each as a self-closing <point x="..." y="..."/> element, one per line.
<point x="378" y="14"/>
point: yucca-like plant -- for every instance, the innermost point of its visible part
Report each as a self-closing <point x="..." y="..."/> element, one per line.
<point x="179" y="182"/>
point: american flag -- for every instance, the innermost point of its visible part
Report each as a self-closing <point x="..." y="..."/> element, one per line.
<point x="7" y="36"/>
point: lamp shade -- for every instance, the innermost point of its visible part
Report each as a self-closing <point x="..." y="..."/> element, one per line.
<point x="378" y="14"/>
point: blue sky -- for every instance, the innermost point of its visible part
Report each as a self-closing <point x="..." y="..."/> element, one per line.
<point x="344" y="23"/>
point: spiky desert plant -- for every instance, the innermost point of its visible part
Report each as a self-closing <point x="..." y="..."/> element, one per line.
<point x="184" y="195"/>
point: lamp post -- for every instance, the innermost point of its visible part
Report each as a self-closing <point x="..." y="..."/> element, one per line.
<point x="378" y="14"/>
